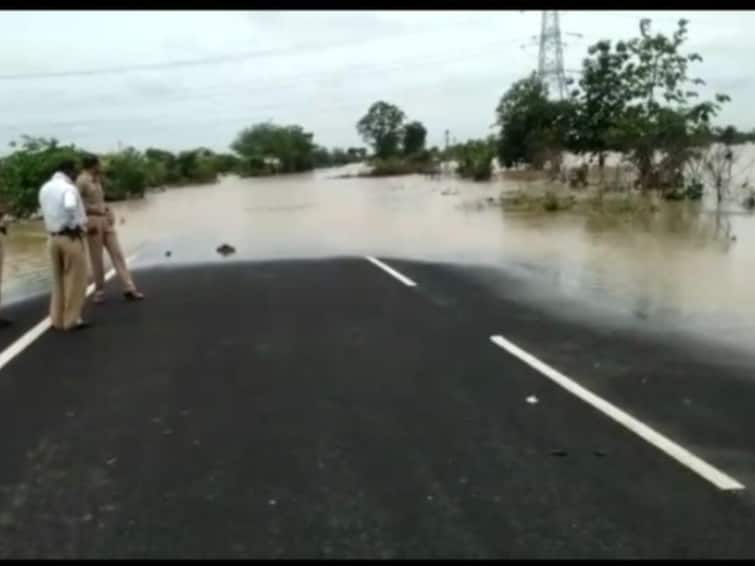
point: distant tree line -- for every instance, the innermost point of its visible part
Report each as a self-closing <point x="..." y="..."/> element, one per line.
<point x="263" y="149"/>
<point x="126" y="173"/>
<point x="731" y="136"/>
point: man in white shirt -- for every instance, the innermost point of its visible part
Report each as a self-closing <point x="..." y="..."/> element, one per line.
<point x="65" y="220"/>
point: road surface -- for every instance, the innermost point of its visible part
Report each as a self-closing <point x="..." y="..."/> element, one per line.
<point x="358" y="408"/>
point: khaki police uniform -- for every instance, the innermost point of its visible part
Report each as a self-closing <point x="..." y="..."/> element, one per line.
<point x="101" y="232"/>
<point x="69" y="278"/>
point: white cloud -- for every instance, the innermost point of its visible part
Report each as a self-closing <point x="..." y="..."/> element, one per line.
<point x="319" y="69"/>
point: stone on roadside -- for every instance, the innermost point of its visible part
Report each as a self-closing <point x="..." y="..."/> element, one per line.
<point x="225" y="249"/>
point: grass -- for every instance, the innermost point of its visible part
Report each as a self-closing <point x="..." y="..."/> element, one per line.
<point x="396" y="166"/>
<point x="549" y="198"/>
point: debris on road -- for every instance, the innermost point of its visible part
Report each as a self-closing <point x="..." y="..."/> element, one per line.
<point x="225" y="249"/>
<point x="532" y="400"/>
<point x="558" y="452"/>
<point x="272" y="503"/>
<point x="168" y="253"/>
<point x="111" y="461"/>
<point x="600" y="453"/>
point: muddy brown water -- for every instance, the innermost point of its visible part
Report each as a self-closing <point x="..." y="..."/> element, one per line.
<point x="672" y="265"/>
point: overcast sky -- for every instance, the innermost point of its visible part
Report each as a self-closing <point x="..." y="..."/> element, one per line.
<point x="185" y="79"/>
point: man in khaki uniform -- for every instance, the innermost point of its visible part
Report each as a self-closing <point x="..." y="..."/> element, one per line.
<point x="65" y="221"/>
<point x="101" y="232"/>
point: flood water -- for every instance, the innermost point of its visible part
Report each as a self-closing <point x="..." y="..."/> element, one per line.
<point x="673" y="265"/>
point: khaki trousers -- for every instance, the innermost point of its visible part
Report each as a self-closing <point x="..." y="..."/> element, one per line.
<point x="69" y="280"/>
<point x="2" y="260"/>
<point x="103" y="236"/>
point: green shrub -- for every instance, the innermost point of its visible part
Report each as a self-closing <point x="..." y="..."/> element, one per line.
<point x="126" y="174"/>
<point x="24" y="171"/>
<point x="550" y="203"/>
<point x="253" y="166"/>
<point x="392" y="166"/>
<point x="476" y="160"/>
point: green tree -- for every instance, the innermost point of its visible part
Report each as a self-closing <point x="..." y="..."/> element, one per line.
<point x="730" y="135"/>
<point x="290" y="145"/>
<point x="340" y="157"/>
<point x="531" y="126"/>
<point x="24" y="171"/>
<point x="475" y="158"/>
<point x="125" y="174"/>
<point x="321" y="157"/>
<point x="197" y="166"/>
<point x="226" y="163"/>
<point x="414" y="138"/>
<point x="357" y="154"/>
<point x="600" y="101"/>
<point x="381" y="128"/>
<point x="162" y="168"/>
<point x="636" y="96"/>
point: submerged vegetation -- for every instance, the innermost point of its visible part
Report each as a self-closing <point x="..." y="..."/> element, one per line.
<point x="263" y="149"/>
<point x="635" y="98"/>
<point x="398" y="146"/>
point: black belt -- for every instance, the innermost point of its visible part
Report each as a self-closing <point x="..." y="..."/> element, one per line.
<point x="70" y="232"/>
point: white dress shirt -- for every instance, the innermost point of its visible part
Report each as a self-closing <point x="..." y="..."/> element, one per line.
<point x="61" y="204"/>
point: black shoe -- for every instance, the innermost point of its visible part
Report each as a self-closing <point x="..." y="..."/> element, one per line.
<point x="81" y="325"/>
<point x="4" y="322"/>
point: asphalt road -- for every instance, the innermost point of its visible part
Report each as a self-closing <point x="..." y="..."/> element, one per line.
<point x="325" y="409"/>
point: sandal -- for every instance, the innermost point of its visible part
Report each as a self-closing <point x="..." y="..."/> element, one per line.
<point x="133" y="295"/>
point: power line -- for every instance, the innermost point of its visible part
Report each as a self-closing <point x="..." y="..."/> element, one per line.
<point x="214" y="93"/>
<point x="211" y="60"/>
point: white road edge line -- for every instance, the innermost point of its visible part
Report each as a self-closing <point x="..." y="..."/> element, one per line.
<point x="681" y="455"/>
<point x="405" y="280"/>
<point x="26" y="339"/>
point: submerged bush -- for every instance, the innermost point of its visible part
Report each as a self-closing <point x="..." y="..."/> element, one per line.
<point x="126" y="174"/>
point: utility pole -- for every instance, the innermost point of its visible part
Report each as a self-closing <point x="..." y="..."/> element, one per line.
<point x="447" y="134"/>
<point x="550" y="67"/>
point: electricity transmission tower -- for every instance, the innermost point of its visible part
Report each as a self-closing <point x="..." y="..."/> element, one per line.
<point x="550" y="67"/>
